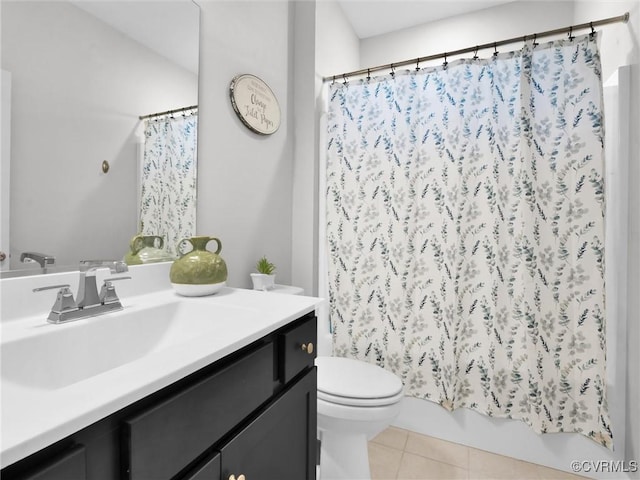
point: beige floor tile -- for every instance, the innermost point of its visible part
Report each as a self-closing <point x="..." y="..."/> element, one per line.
<point x="392" y="437"/>
<point x="427" y="458"/>
<point x="545" y="473"/>
<point x="418" y="467"/>
<point x="490" y="476"/>
<point x="526" y="471"/>
<point x="440" y="450"/>
<point x="483" y="463"/>
<point x="384" y="461"/>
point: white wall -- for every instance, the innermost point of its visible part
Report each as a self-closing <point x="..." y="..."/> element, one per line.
<point x="5" y="168"/>
<point x="492" y="24"/>
<point x="337" y="45"/>
<point x="259" y="194"/>
<point x="66" y="120"/>
<point x="305" y="83"/>
<point x="245" y="179"/>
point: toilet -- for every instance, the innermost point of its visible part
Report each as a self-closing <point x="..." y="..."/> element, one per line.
<point x="356" y="401"/>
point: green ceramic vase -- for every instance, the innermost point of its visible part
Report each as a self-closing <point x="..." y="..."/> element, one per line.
<point x="199" y="266"/>
<point x="146" y="249"/>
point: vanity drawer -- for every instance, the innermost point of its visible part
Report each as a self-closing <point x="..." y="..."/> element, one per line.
<point x="297" y="347"/>
<point x="160" y="441"/>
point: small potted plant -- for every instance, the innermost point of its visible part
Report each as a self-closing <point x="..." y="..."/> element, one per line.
<point x="265" y="278"/>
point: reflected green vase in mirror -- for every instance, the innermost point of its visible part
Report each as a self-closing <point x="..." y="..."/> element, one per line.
<point x="146" y="249"/>
<point x="199" y="271"/>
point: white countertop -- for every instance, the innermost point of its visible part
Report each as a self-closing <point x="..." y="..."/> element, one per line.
<point x="35" y="417"/>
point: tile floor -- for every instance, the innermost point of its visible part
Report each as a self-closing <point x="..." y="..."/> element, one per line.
<point x="398" y="454"/>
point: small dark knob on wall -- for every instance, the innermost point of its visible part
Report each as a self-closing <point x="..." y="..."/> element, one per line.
<point x="308" y="347"/>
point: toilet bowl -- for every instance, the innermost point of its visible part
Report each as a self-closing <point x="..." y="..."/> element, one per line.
<point x="356" y="401"/>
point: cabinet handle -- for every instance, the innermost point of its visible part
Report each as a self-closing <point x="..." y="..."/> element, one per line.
<point x="233" y="477"/>
<point x="308" y="347"/>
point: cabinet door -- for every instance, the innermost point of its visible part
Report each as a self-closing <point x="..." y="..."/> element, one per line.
<point x="280" y="444"/>
<point x="162" y="440"/>
<point x="70" y="465"/>
<point x="206" y="470"/>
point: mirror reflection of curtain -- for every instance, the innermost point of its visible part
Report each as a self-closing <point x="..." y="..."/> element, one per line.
<point x="168" y="182"/>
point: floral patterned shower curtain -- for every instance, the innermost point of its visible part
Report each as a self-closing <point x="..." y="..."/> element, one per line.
<point x="168" y="194"/>
<point x="465" y="233"/>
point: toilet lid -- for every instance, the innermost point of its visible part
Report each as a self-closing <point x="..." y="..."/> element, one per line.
<point x="354" y="382"/>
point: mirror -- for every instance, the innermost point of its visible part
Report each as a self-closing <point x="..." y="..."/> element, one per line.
<point x="79" y="75"/>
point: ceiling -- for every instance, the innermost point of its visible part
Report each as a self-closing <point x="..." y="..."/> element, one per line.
<point x="163" y="33"/>
<point x="376" y="17"/>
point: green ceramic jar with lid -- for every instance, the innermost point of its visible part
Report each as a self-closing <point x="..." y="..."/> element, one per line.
<point x="200" y="271"/>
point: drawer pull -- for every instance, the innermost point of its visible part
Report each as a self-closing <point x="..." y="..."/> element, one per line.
<point x="308" y="347"/>
<point x="233" y="477"/>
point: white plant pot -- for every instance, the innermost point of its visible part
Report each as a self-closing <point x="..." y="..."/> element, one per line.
<point x="262" y="281"/>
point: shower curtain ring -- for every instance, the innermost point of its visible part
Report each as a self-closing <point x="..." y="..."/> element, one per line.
<point x="535" y="44"/>
<point x="368" y="74"/>
<point x="571" y="37"/>
<point x="344" y="79"/>
<point x="475" y="53"/>
<point x="495" y="50"/>
<point x="593" y="32"/>
<point x="444" y="65"/>
<point x="418" y="64"/>
<point x="393" y="71"/>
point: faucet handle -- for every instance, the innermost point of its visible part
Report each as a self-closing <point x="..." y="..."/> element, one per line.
<point x="108" y="291"/>
<point x="114" y="279"/>
<point x="51" y="287"/>
<point x="64" y="299"/>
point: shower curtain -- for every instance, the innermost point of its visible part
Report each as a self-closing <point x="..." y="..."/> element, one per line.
<point x="168" y="190"/>
<point x="465" y="233"/>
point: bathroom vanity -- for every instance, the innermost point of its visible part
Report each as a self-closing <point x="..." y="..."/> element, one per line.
<point x="238" y="398"/>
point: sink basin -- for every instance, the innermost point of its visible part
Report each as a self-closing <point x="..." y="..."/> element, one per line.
<point x="56" y="356"/>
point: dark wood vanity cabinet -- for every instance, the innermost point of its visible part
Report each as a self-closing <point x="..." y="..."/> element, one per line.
<point x="252" y="413"/>
<point x="285" y="430"/>
<point x="68" y="464"/>
<point x="276" y="444"/>
<point x="162" y="439"/>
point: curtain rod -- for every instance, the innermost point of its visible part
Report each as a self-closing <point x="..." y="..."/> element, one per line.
<point x="168" y="112"/>
<point x="390" y="66"/>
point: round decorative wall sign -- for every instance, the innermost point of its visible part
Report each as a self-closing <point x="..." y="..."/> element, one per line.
<point x="255" y="104"/>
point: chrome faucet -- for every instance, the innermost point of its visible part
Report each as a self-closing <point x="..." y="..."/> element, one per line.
<point x="35" y="257"/>
<point x="89" y="302"/>
<point x="87" y="289"/>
